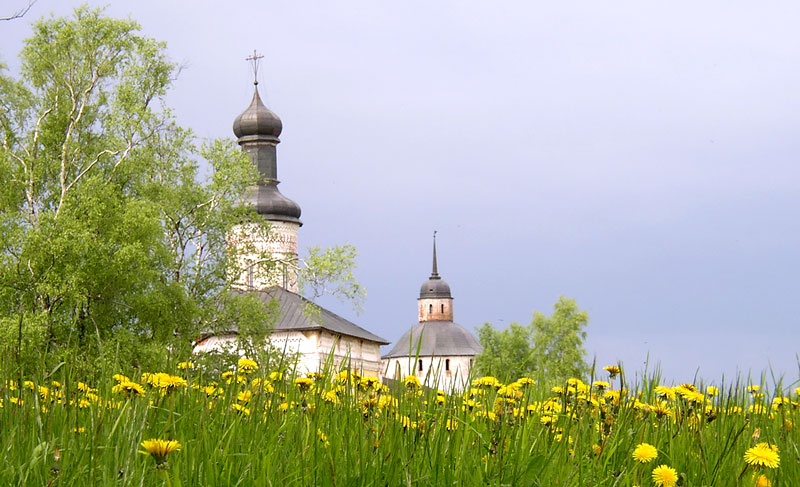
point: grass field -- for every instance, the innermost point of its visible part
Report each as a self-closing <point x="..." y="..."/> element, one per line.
<point x="254" y="427"/>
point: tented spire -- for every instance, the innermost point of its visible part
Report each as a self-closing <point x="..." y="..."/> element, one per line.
<point x="435" y="271"/>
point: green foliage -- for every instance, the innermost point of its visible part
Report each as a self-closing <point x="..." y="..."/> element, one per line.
<point x="330" y="271"/>
<point x="506" y="353"/>
<point x="557" y="349"/>
<point x="112" y="247"/>
<point x="551" y="347"/>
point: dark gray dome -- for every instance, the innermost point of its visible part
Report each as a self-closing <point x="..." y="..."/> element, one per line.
<point x="435" y="339"/>
<point x="267" y="200"/>
<point x="257" y="119"/>
<point x="435" y="287"/>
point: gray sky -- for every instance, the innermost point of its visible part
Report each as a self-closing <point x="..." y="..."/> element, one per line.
<point x="638" y="157"/>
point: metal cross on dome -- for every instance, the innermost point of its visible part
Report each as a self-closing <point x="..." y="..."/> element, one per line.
<point x="255" y="58"/>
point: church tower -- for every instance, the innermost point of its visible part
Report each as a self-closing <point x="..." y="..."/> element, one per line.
<point x="270" y="267"/>
<point x="435" y="301"/>
<point x="267" y="258"/>
<point x="436" y="350"/>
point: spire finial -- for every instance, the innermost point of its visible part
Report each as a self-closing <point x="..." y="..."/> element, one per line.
<point x="435" y="272"/>
<point x="255" y="58"/>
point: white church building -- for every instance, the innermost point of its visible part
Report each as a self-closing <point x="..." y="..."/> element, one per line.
<point x="313" y="336"/>
<point x="436" y="350"/>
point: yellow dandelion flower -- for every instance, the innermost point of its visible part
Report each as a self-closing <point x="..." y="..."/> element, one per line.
<point x="331" y="397"/>
<point x="753" y="388"/>
<point x="131" y="389"/>
<point x="602" y="385"/>
<point x="83" y="387"/>
<point x="163" y="381"/>
<point x="490" y="415"/>
<point x="323" y="438"/>
<point x="712" y="391"/>
<point x="159" y="449"/>
<point x="763" y="481"/>
<point x="246" y="366"/>
<point x="779" y="402"/>
<point x="240" y="409"/>
<point x="412" y="382"/>
<point x="487" y="381"/>
<point x="386" y="402"/>
<point x="613" y="370"/>
<point x="526" y="381"/>
<point x="644" y="453"/>
<point x="664" y="476"/>
<point x="694" y="396"/>
<point x="185" y="365"/>
<point x="511" y="391"/>
<point x="664" y="392"/>
<point x="763" y="455"/>
<point x="369" y="382"/>
<point x="304" y="383"/>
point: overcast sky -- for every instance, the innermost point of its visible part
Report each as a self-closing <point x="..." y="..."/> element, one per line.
<point x="641" y="158"/>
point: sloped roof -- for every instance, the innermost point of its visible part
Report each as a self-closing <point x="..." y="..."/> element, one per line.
<point x="294" y="315"/>
<point x="435" y="339"/>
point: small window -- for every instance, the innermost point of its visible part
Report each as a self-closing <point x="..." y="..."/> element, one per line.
<point x="447" y="365"/>
<point x="420" y="365"/>
<point x="470" y="363"/>
<point x="443" y="308"/>
<point x="430" y="308"/>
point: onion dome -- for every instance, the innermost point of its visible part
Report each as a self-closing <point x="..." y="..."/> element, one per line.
<point x="257" y="119"/>
<point x="434" y="287"/>
<point x="258" y="129"/>
<point x="268" y="201"/>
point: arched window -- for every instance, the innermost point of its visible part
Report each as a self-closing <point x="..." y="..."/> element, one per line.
<point x="420" y="365"/>
<point x="430" y="309"/>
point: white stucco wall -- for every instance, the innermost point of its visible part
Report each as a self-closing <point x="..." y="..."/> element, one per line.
<point x="314" y="348"/>
<point x="434" y="371"/>
<point x="279" y="246"/>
